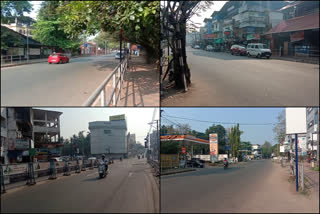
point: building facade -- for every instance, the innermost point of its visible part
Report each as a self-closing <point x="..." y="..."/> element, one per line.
<point x="109" y="137"/>
<point x="25" y="128"/>
<point x="312" y="130"/>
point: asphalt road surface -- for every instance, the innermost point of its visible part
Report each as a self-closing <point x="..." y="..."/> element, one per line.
<point x="221" y="79"/>
<point x="255" y="187"/>
<point x="42" y="84"/>
<point x="129" y="187"/>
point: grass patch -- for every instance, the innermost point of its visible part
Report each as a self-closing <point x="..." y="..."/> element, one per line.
<point x="315" y="168"/>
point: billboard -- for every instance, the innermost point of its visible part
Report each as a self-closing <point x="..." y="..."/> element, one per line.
<point x="296" y="120"/>
<point x="117" y="117"/>
<point x="213" y="146"/>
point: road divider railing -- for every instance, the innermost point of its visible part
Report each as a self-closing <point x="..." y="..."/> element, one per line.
<point x="107" y="94"/>
<point x="13" y="173"/>
<point x="156" y="168"/>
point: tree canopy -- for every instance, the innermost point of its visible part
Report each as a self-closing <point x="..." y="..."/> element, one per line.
<point x="48" y="28"/>
<point x="139" y="20"/>
<point x="266" y="150"/>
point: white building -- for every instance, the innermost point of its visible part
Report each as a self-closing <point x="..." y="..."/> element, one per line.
<point x="256" y="149"/>
<point x="109" y="137"/>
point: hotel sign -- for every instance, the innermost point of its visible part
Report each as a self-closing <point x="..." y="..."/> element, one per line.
<point x="117" y="117"/>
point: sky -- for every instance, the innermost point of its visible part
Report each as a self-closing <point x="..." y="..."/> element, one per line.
<point x="73" y="120"/>
<point x="217" y="5"/>
<point x="256" y="134"/>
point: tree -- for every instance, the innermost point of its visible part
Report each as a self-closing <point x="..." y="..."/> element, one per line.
<point x="14" y="8"/>
<point x="266" y="150"/>
<point x="234" y="139"/>
<point x="9" y="11"/>
<point x="276" y="149"/>
<point x="105" y="39"/>
<point x="245" y="145"/>
<point x="220" y="130"/>
<point x="77" y="141"/>
<point x="48" y="28"/>
<point x="139" y="21"/>
<point x="280" y="127"/>
<point x="175" y="16"/>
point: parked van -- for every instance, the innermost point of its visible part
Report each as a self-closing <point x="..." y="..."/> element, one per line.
<point x="258" y="50"/>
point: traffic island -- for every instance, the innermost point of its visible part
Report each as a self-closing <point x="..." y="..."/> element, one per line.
<point x="175" y="171"/>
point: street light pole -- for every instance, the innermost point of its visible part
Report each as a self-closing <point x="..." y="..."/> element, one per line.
<point x="105" y="47"/>
<point x="27" y="44"/>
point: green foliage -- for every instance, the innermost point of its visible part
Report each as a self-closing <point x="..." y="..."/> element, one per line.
<point x="266" y="150"/>
<point x="14" y="8"/>
<point x="48" y="28"/>
<point x="234" y="139"/>
<point x="9" y="38"/>
<point x="106" y="39"/>
<point x="82" y="142"/>
<point x="245" y="145"/>
<point x="139" y="20"/>
<point x="170" y="147"/>
<point x="276" y="149"/>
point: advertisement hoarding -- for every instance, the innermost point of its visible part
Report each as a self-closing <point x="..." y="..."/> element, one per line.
<point x="213" y="138"/>
<point x="117" y="117"/>
<point x="296" y="120"/>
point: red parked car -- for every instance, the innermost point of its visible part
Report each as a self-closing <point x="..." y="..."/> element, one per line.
<point x="58" y="58"/>
<point x="238" y="50"/>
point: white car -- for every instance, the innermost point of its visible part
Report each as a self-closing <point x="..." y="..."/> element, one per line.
<point x="258" y="50"/>
<point x="209" y="48"/>
<point x="196" y="47"/>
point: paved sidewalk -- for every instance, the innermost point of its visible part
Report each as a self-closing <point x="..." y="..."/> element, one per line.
<point x="310" y="60"/>
<point x="312" y="176"/>
<point x="141" y="84"/>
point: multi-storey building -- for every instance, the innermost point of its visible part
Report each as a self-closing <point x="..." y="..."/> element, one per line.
<point x="109" y="137"/>
<point x="312" y="129"/>
<point x="256" y="149"/>
<point x="26" y="128"/>
<point x="20" y="27"/>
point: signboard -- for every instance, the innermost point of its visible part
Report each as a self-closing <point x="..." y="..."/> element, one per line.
<point x="296" y="120"/>
<point x="32" y="152"/>
<point x="183" y="150"/>
<point x="281" y="148"/>
<point x="117" y="117"/>
<point x="296" y="36"/>
<point x="21" y="144"/>
<point x="16" y="51"/>
<point x="213" y="146"/>
<point x="209" y="36"/>
<point x="34" y="51"/>
<point x="302" y="145"/>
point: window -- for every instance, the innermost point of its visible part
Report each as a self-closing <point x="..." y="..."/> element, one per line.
<point x="107" y="131"/>
<point x="256" y="47"/>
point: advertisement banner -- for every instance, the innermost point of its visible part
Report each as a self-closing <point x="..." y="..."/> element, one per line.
<point x="296" y="120"/>
<point x="296" y="36"/>
<point x="10" y="144"/>
<point x="117" y="117"/>
<point x="21" y="144"/>
<point x="213" y="146"/>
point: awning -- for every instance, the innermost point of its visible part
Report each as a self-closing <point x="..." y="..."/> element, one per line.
<point x="218" y="41"/>
<point x="307" y="22"/>
<point x="184" y="137"/>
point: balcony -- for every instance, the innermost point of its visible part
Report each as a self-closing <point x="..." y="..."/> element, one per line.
<point x="252" y="24"/>
<point x="44" y="129"/>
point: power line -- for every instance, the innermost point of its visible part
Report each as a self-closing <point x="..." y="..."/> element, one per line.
<point x="216" y="122"/>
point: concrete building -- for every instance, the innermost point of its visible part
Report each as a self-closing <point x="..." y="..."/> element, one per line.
<point x="20" y="27"/>
<point x="154" y="145"/>
<point x="25" y="128"/>
<point x="312" y="129"/>
<point x="4" y="135"/>
<point x="256" y="149"/>
<point x="109" y="137"/>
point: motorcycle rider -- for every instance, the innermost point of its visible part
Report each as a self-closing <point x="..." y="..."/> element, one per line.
<point x="105" y="162"/>
<point x="225" y="161"/>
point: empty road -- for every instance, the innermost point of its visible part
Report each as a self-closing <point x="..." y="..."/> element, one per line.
<point x="255" y="187"/>
<point x="221" y="79"/>
<point x="129" y="187"/>
<point x="43" y="84"/>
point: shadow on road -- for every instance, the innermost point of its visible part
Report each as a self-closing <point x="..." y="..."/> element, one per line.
<point x="91" y="179"/>
<point x="204" y="172"/>
<point x="223" y="55"/>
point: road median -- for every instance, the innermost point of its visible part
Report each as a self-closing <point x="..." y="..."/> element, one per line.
<point x="176" y="171"/>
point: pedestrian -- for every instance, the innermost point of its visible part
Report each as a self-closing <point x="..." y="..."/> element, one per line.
<point x="292" y="165"/>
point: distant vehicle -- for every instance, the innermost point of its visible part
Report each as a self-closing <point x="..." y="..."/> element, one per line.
<point x="209" y="48"/>
<point x="194" y="163"/>
<point x="196" y="47"/>
<point x="117" y="56"/>
<point x="238" y="50"/>
<point x="92" y="158"/>
<point x="65" y="158"/>
<point x="58" y="58"/>
<point x="258" y="50"/>
<point x="57" y="159"/>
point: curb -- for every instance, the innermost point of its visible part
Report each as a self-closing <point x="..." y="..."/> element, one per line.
<point x="177" y="172"/>
<point x="297" y="60"/>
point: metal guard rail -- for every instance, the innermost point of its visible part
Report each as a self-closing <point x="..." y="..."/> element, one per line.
<point x="100" y="92"/>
